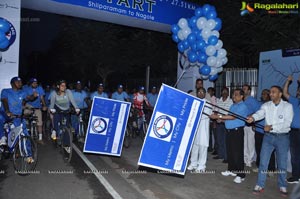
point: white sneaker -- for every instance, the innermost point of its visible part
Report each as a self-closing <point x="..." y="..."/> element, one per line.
<point x="53" y="135"/>
<point x="238" y="180"/>
<point x="200" y="170"/>
<point x="228" y="173"/>
<point x="248" y="165"/>
<point x="3" y="141"/>
<point x="67" y="149"/>
<point x="191" y="167"/>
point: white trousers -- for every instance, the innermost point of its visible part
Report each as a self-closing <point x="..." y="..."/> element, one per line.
<point x="249" y="145"/>
<point x="199" y="156"/>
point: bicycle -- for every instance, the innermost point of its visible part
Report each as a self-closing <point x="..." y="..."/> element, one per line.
<point x="17" y="146"/>
<point x="140" y="123"/>
<point x="65" y="136"/>
<point x="82" y="126"/>
<point x="32" y="124"/>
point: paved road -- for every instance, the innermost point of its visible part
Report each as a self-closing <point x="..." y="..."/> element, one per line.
<point x="53" y="179"/>
<point x="125" y="177"/>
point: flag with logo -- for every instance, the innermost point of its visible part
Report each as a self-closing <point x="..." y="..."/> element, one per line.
<point x="171" y="131"/>
<point x="107" y="126"/>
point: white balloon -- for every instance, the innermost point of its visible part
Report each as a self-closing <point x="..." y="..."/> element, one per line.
<point x="220" y="69"/>
<point x="222" y="53"/>
<point x="211" y="61"/>
<point x="186" y="31"/>
<point x="206" y="33"/>
<point x="210" y="24"/>
<point x="210" y="50"/>
<point x="218" y="46"/>
<point x="204" y="77"/>
<point x="180" y="35"/>
<point x="215" y="33"/>
<point x="224" y="60"/>
<point x="213" y="71"/>
<point x="219" y="62"/>
<point x="182" y="23"/>
<point x="201" y="22"/>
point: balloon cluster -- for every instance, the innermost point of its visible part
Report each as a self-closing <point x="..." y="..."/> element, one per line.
<point x="4" y="29"/>
<point x="198" y="39"/>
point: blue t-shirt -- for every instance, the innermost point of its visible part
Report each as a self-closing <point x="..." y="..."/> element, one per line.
<point x="239" y="109"/>
<point x="152" y="98"/>
<point x="121" y="97"/>
<point x="96" y="94"/>
<point x="37" y="102"/>
<point x="79" y="98"/>
<point x="252" y="104"/>
<point x="296" y="108"/>
<point x="15" y="100"/>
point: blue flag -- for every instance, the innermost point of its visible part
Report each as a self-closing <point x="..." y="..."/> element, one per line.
<point x="107" y="125"/>
<point x="171" y="131"/>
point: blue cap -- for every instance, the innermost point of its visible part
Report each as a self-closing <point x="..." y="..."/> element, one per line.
<point x="142" y="88"/>
<point x="78" y="82"/>
<point x="153" y="87"/>
<point x="120" y="86"/>
<point x="100" y="85"/>
<point x="14" y="79"/>
<point x="32" y="80"/>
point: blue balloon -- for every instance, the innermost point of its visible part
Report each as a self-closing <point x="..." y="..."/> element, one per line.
<point x="192" y="56"/>
<point x="192" y="38"/>
<point x="194" y="47"/>
<point x="180" y="47"/>
<point x="212" y="40"/>
<point x="211" y="14"/>
<point x="202" y="57"/>
<point x="205" y="70"/>
<point x="199" y="35"/>
<point x="213" y="77"/>
<point x="218" y="24"/>
<point x="199" y="12"/>
<point x="175" y="28"/>
<point x="4" y="25"/>
<point x="193" y="21"/>
<point x="175" y="38"/>
<point x="206" y="8"/>
<point x="4" y="44"/>
<point x="186" y="44"/>
<point x="200" y="44"/>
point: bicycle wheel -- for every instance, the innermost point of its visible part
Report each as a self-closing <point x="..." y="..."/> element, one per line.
<point x="25" y="148"/>
<point x="127" y="138"/>
<point x="66" y="144"/>
<point x="144" y="130"/>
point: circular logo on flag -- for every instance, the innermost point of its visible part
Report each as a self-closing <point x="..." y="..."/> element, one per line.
<point x="163" y="126"/>
<point x="280" y="116"/>
<point x="99" y="125"/>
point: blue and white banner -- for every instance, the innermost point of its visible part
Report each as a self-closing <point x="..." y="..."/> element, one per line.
<point x="162" y="11"/>
<point x="171" y="131"/>
<point x="107" y="125"/>
<point x="10" y="11"/>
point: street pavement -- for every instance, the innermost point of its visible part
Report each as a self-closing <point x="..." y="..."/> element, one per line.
<point x="121" y="175"/>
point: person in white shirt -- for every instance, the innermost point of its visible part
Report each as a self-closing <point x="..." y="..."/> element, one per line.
<point x="201" y="141"/>
<point x="278" y="115"/>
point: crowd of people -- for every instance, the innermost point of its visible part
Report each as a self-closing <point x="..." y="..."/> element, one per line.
<point x="236" y="128"/>
<point x="247" y="131"/>
<point x="50" y="102"/>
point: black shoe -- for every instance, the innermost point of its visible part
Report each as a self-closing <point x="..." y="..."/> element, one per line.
<point x="225" y="161"/>
<point x="215" y="153"/>
<point x="216" y="157"/>
<point x="292" y="180"/>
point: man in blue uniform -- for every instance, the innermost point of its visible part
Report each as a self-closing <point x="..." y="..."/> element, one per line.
<point x="120" y="94"/>
<point x="13" y="100"/>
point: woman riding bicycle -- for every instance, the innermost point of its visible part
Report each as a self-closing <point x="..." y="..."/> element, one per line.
<point x="60" y="101"/>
